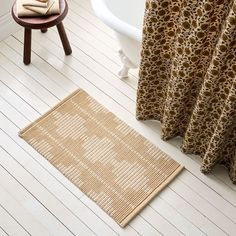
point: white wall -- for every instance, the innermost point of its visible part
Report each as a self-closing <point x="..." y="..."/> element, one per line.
<point x="7" y="24"/>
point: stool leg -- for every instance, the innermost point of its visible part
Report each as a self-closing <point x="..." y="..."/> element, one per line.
<point x="44" y="30"/>
<point x="64" y="39"/>
<point x="27" y="46"/>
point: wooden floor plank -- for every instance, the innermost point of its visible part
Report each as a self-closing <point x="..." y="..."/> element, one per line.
<point x="28" y="81"/>
<point x="203" y="206"/>
<point x="38" y="75"/>
<point x="45" y="197"/>
<point x="207" y="194"/>
<point x="190" y="213"/>
<point x="100" y="58"/>
<point x="159" y="223"/>
<point x="14" y="207"/>
<point x="26" y="94"/>
<point x="222" y="174"/>
<point x="84" y="13"/>
<point x="9" y="225"/>
<point x="84" y="50"/>
<point x="87" y="5"/>
<point x="79" y="60"/>
<point x="111" y="54"/>
<point x="48" y="223"/>
<point x="80" y="68"/>
<point x="178" y="220"/>
<point x="18" y="103"/>
<point x="13" y="114"/>
<point x="87" y="26"/>
<point x="98" y="211"/>
<point x="143" y="227"/>
<point x="3" y="232"/>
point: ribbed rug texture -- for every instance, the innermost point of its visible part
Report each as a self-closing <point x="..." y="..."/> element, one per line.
<point x="110" y="162"/>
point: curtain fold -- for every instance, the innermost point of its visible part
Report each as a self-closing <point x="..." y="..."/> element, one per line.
<point x="187" y="76"/>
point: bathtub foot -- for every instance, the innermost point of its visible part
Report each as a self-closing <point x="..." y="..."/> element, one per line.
<point x="127" y="64"/>
<point x="123" y="72"/>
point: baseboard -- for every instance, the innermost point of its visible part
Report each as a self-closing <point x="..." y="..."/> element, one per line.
<point x="7" y="26"/>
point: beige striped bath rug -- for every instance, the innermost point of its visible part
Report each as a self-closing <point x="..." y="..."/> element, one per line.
<point x="110" y="162"/>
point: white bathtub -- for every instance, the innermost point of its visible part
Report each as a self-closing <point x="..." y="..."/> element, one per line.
<point x="125" y="17"/>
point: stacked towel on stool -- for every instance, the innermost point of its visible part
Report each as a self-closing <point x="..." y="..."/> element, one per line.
<point x="37" y="7"/>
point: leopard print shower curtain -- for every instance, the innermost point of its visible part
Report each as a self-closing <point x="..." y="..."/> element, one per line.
<point x="187" y="76"/>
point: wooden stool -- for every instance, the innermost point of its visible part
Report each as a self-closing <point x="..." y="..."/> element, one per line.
<point x="43" y="23"/>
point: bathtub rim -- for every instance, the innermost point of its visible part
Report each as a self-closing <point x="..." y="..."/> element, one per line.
<point x="102" y="11"/>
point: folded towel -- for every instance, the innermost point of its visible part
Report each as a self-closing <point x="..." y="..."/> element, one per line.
<point x="34" y="3"/>
<point x="30" y="11"/>
<point x="41" y="10"/>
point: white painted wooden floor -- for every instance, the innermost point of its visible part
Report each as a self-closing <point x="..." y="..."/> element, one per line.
<point x="35" y="199"/>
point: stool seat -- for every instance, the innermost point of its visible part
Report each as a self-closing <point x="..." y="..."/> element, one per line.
<point x="42" y="23"/>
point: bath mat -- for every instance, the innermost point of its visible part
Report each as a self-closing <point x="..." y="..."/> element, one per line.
<point x="110" y="162"/>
